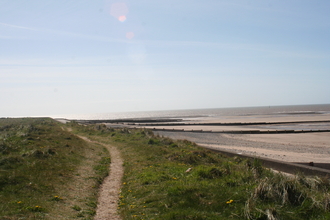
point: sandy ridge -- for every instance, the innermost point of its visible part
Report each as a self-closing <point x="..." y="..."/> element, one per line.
<point x="110" y="189"/>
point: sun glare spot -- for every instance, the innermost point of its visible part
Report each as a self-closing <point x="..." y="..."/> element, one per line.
<point x="122" y="18"/>
<point x="129" y="35"/>
<point x="119" y="11"/>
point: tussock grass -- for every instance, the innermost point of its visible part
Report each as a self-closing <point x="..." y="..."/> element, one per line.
<point x="167" y="179"/>
<point x="46" y="171"/>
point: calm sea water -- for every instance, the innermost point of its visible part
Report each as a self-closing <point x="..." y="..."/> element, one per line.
<point x="215" y="113"/>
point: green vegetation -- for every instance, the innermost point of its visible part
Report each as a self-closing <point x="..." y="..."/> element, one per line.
<point x="47" y="172"/>
<point x="166" y="179"/>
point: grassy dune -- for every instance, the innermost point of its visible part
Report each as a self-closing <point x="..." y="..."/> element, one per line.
<point x="166" y="179"/>
<point x="47" y="172"/>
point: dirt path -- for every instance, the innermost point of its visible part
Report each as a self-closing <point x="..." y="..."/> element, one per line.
<point x="110" y="188"/>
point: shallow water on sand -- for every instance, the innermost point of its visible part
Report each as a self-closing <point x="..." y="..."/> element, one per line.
<point x="218" y="113"/>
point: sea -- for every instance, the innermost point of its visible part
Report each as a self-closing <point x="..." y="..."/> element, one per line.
<point x="218" y="113"/>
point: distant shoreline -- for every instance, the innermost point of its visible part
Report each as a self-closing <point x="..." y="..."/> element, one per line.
<point x="297" y="138"/>
<point x="190" y="114"/>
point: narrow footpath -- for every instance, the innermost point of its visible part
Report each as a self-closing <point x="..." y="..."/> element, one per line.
<point x="110" y="189"/>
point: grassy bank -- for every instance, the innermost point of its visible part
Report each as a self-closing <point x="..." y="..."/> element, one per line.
<point x="47" y="172"/>
<point x="166" y="179"/>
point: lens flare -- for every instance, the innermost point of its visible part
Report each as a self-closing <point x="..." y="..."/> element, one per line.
<point x="119" y="11"/>
<point x="122" y="18"/>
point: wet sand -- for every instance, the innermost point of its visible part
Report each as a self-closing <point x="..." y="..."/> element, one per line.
<point x="296" y="147"/>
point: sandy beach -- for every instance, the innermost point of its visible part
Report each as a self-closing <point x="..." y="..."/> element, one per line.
<point x="295" y="147"/>
<point x="278" y="147"/>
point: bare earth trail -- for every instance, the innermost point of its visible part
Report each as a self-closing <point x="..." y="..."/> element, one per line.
<point x="110" y="188"/>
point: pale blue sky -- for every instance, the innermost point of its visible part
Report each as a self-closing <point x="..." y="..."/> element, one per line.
<point x="97" y="56"/>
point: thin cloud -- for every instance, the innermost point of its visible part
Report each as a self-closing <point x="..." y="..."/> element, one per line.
<point x="62" y="33"/>
<point x="17" y="26"/>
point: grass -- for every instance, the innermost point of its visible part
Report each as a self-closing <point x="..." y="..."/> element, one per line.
<point x="166" y="179"/>
<point x="46" y="171"/>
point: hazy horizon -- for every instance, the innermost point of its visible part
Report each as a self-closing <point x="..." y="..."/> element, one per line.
<point x="84" y="57"/>
<point x="187" y="112"/>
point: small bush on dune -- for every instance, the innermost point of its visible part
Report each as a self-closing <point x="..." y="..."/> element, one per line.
<point x="153" y="141"/>
<point x="211" y="173"/>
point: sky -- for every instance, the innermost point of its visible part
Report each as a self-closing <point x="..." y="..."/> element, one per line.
<point x="62" y="57"/>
